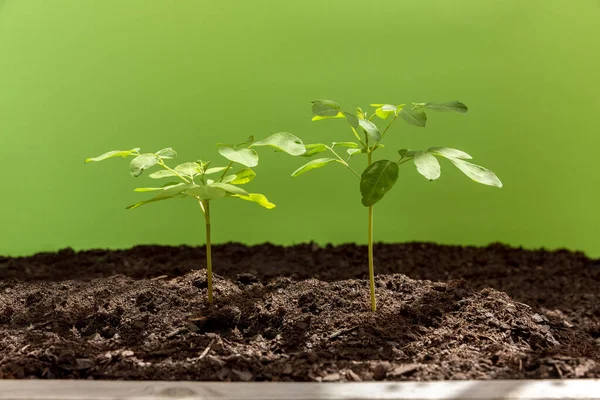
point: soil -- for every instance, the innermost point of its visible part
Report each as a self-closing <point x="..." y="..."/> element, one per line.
<point x="301" y="313"/>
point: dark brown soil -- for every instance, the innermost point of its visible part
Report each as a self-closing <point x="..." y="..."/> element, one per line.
<point x="301" y="313"/>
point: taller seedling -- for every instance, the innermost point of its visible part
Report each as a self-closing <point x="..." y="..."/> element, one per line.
<point x="380" y="176"/>
<point x="194" y="182"/>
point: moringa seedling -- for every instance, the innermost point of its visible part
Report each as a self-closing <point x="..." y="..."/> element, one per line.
<point x="201" y="182"/>
<point x="380" y="176"/>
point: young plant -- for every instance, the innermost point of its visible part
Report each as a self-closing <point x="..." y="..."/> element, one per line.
<point x="202" y="183"/>
<point x="380" y="176"/>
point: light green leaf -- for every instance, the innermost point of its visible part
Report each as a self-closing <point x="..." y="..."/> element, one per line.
<point x="112" y="154"/>
<point x="246" y="143"/>
<point x="316" y="163"/>
<point x="414" y="117"/>
<point x="449" y="153"/>
<point x="228" y="188"/>
<point x="205" y="192"/>
<point x="322" y="117"/>
<point x="383" y="111"/>
<point x="452" y="106"/>
<point x="476" y="172"/>
<point x="352" y="152"/>
<point x="226" y="179"/>
<point x="377" y="180"/>
<point x="427" y="165"/>
<point x="283" y="141"/>
<point x="315" y="148"/>
<point x="246" y="157"/>
<point x="155" y="199"/>
<point x="167" y="153"/>
<point x="371" y="129"/>
<point x="325" y="108"/>
<point x="256" y="198"/>
<point x="163" y="173"/>
<point x="242" y="177"/>
<point x="214" y="170"/>
<point x="360" y="113"/>
<point x="352" y="145"/>
<point x="190" y="169"/>
<point x="142" y="162"/>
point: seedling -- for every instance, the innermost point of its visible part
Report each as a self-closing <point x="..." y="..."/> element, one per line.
<point x="194" y="182"/>
<point x="380" y="176"/>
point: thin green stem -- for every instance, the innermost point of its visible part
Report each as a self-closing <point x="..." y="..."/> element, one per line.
<point x="404" y="160"/>
<point x="206" y="207"/>
<point x="226" y="170"/>
<point x="370" y="250"/>
<point x="162" y="164"/>
<point x="358" y="137"/>
<point x="386" y="129"/>
<point x="343" y="162"/>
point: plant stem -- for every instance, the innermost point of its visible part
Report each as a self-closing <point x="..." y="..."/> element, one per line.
<point x="208" y="251"/>
<point x="371" y="266"/>
<point x="226" y="170"/>
<point x="165" y="166"/>
<point x="343" y="162"/>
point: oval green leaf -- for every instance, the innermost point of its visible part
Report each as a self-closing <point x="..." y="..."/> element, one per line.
<point x="142" y="162"/>
<point x="256" y="198"/>
<point x="451" y="106"/>
<point x="190" y="169"/>
<point x="205" y="192"/>
<point x="214" y="170"/>
<point x="167" y="153"/>
<point x="325" y="108"/>
<point x="371" y="129"/>
<point x="477" y="173"/>
<point x="228" y="188"/>
<point x="414" y="117"/>
<point x="242" y="177"/>
<point x="161" y="174"/>
<point x="246" y="157"/>
<point x="317" y="163"/>
<point x="449" y="153"/>
<point x="377" y="180"/>
<point x="112" y="154"/>
<point x="315" y="148"/>
<point x="155" y="199"/>
<point x="427" y="165"/>
<point x="283" y="141"/>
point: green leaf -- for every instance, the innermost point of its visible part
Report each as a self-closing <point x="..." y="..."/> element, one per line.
<point x="452" y="106"/>
<point x="321" y="117"/>
<point x="283" y="141"/>
<point x="406" y="153"/>
<point x="427" y="165"/>
<point x="142" y="162"/>
<point x="371" y="129"/>
<point x="228" y="188"/>
<point x="351" y="118"/>
<point x="155" y="199"/>
<point x="247" y="143"/>
<point x="256" y="198"/>
<point x="154" y="189"/>
<point x="476" y="172"/>
<point x="242" y="177"/>
<point x="383" y="111"/>
<point x="190" y="169"/>
<point x="449" y="153"/>
<point x="352" y="145"/>
<point x="377" y="180"/>
<point x="316" y="163"/>
<point x="315" y="148"/>
<point x="325" y="108"/>
<point x="112" y="154"/>
<point x="205" y="192"/>
<point x="214" y="170"/>
<point x="414" y="117"/>
<point x="246" y="157"/>
<point x="163" y="173"/>
<point x="352" y="152"/>
<point x="167" y="153"/>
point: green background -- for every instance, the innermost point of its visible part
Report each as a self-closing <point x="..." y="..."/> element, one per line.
<point x="78" y="78"/>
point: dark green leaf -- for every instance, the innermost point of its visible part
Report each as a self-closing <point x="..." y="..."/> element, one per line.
<point x="283" y="141"/>
<point x="377" y="180"/>
<point x="414" y="117"/>
<point x="427" y="165"/>
<point x="351" y="118"/>
<point x="155" y="199"/>
<point x="371" y="129"/>
<point x="325" y="108"/>
<point x="142" y="162"/>
<point x="246" y="157"/>
<point x="114" y="153"/>
<point x="452" y="106"/>
<point x="317" y="163"/>
<point x="405" y="153"/>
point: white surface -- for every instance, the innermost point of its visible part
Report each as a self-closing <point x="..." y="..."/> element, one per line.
<point x="485" y="390"/>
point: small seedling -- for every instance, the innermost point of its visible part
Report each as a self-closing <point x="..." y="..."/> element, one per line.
<point x="202" y="183"/>
<point x="380" y="176"/>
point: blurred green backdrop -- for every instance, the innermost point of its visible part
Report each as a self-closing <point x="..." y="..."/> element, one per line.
<point x="78" y="78"/>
